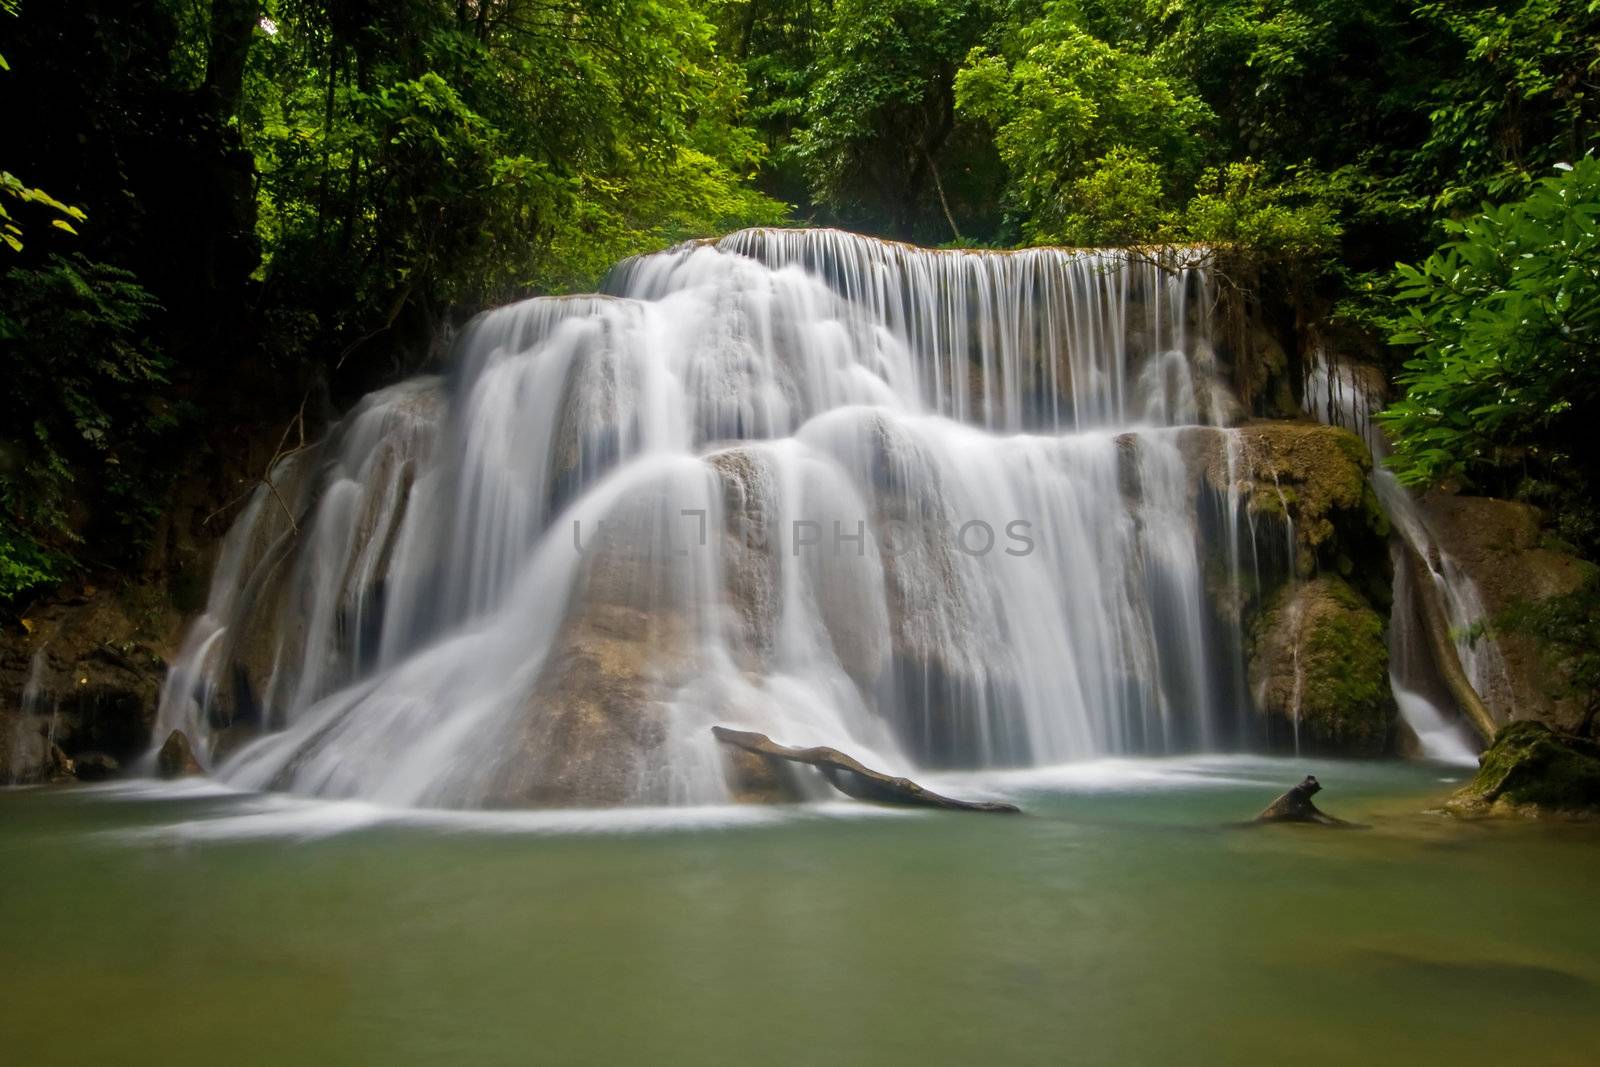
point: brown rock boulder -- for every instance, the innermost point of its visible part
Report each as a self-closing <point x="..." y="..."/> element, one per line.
<point x="96" y="766"/>
<point x="1500" y="546"/>
<point x="592" y="727"/>
<point x="1319" y="670"/>
<point x="176" y="758"/>
<point x="1313" y="475"/>
<point x="1533" y="770"/>
<point x="753" y="779"/>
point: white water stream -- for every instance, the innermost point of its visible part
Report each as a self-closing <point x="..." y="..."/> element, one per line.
<point x="1340" y="394"/>
<point x="931" y="507"/>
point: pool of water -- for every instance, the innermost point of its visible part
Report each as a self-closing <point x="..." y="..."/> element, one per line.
<point x="1123" y="920"/>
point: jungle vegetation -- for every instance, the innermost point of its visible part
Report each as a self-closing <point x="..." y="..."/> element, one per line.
<point x="220" y="215"/>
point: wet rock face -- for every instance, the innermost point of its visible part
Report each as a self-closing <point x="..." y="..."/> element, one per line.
<point x="1312" y="542"/>
<point x="1314" y="476"/>
<point x="1319" y="671"/>
<point x="96" y="767"/>
<point x="1531" y="769"/>
<point x="94" y="687"/>
<point x="594" y="723"/>
<point x="1499" y="545"/>
<point x="176" y="758"/>
<point x="27" y="755"/>
<point x="753" y="779"/>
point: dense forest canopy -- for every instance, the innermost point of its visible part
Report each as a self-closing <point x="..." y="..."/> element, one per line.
<point x="219" y="214"/>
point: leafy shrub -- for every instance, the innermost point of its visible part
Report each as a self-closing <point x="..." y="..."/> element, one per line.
<point x="80" y="411"/>
<point x="1504" y="324"/>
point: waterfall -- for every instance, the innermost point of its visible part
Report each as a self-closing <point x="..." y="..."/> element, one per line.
<point x="1345" y="394"/>
<point x="33" y="705"/>
<point x="930" y="506"/>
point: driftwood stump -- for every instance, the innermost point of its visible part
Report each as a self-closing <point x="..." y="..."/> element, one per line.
<point x="1296" y="806"/>
<point x="851" y="777"/>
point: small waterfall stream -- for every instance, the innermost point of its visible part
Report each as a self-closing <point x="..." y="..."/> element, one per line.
<point x="935" y="507"/>
<point x="35" y="703"/>
<point x="1342" y="394"/>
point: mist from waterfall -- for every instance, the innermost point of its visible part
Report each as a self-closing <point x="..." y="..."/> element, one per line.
<point x="930" y="506"/>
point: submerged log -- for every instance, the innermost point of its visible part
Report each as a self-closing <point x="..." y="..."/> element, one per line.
<point x="851" y="777"/>
<point x="1296" y="806"/>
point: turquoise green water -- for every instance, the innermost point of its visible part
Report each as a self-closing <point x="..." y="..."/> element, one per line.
<point x="1119" y="922"/>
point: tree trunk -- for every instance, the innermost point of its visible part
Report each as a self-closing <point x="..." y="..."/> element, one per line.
<point x="233" y="27"/>
<point x="851" y="777"/>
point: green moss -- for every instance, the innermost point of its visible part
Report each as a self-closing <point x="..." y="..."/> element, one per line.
<point x="1323" y="655"/>
<point x="1347" y="673"/>
<point x="1530" y="764"/>
<point x="1377" y="518"/>
<point x="1270" y="504"/>
<point x="1316" y="474"/>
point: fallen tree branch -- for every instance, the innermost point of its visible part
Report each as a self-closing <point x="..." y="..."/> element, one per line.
<point x="853" y="778"/>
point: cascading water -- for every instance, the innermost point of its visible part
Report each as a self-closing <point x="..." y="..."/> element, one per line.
<point x="34" y="705"/>
<point x="1343" y="394"/>
<point x="929" y="506"/>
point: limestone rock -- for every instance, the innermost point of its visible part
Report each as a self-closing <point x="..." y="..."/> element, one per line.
<point x="100" y="661"/>
<point x="1319" y="669"/>
<point x="1312" y="475"/>
<point x="593" y="726"/>
<point x="176" y="758"/>
<point x="1499" y="546"/>
<point x="754" y="779"/>
<point x="58" y="766"/>
<point x="1531" y="769"/>
<point x="96" y="766"/>
<point x="28" y="756"/>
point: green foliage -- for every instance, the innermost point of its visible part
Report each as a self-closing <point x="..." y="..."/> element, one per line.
<point x="13" y="188"/>
<point x="1293" y="218"/>
<point x="1117" y="200"/>
<point x="19" y="192"/>
<point x="442" y="154"/>
<point x="296" y="180"/>
<point x="880" y="110"/>
<point x="1108" y="140"/>
<point x="1504" y="323"/>
<point x="80" y="412"/>
<point x="1524" y="98"/>
<point x="25" y="563"/>
<point x="1072" y="115"/>
<point x="300" y="180"/>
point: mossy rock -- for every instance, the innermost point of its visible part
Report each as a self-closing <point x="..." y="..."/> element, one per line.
<point x="1529" y="769"/>
<point x="1310" y="474"/>
<point x="1319" y="669"/>
<point x="1501" y="547"/>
